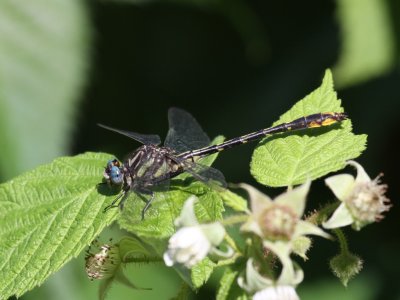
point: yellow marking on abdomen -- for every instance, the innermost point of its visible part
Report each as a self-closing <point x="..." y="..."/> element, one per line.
<point x="328" y="121"/>
<point x="313" y="124"/>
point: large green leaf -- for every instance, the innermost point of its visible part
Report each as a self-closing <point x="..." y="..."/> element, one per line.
<point x="43" y="62"/>
<point x="48" y="216"/>
<point x="201" y="272"/>
<point x="166" y="207"/>
<point x="292" y="158"/>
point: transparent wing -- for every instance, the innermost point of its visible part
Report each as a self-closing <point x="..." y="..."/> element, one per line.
<point x="141" y="138"/>
<point x="208" y="175"/>
<point x="184" y="132"/>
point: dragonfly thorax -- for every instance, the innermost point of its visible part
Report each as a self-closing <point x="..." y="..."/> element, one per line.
<point x="145" y="167"/>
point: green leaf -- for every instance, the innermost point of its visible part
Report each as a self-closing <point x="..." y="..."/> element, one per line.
<point x="166" y="207"/>
<point x="48" y="216"/>
<point x="292" y="158"/>
<point x="43" y="62"/>
<point x="225" y="283"/>
<point x="234" y="201"/>
<point x="368" y="41"/>
<point x="201" y="272"/>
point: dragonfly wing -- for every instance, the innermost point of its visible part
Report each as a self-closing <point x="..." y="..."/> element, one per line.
<point x="141" y="138"/>
<point x="208" y="175"/>
<point x="184" y="132"/>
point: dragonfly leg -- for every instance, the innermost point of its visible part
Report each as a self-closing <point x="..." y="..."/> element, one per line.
<point x="121" y="202"/>
<point x="148" y="203"/>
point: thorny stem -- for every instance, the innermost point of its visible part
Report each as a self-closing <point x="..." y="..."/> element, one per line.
<point x="344" y="247"/>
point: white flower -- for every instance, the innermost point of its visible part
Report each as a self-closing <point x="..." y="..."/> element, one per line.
<point x="279" y="220"/>
<point x="283" y="292"/>
<point x="363" y="200"/>
<point x="266" y="288"/>
<point x="187" y="246"/>
<point x="279" y="223"/>
<point x="193" y="241"/>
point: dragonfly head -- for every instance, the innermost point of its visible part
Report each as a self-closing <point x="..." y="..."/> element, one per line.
<point x="112" y="173"/>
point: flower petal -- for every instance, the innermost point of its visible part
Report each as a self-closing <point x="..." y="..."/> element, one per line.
<point x="280" y="292"/>
<point x="214" y="232"/>
<point x="362" y="176"/>
<point x="341" y="185"/>
<point x="295" y="198"/>
<point x="254" y="281"/>
<point x="340" y="218"/>
<point x="222" y="254"/>
<point x="187" y="246"/>
<point x="258" y="200"/>
<point x="187" y="216"/>
<point x="168" y="260"/>
<point x="305" y="228"/>
<point x="252" y="226"/>
<point x="282" y="249"/>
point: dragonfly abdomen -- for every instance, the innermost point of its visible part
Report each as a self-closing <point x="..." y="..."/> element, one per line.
<point x="310" y="121"/>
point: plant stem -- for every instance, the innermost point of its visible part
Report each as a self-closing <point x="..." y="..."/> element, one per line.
<point x="344" y="247"/>
<point x="232" y="220"/>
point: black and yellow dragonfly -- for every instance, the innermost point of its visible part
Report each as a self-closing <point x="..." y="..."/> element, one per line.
<point x="186" y="144"/>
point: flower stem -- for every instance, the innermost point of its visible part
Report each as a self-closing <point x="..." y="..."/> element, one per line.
<point x="231" y="242"/>
<point x="344" y="247"/>
<point x="232" y="220"/>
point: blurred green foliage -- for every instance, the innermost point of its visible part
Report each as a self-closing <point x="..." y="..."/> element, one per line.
<point x="368" y="45"/>
<point x="235" y="66"/>
<point x="43" y="65"/>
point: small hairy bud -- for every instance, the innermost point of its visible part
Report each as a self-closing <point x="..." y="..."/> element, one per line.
<point x="104" y="263"/>
<point x="345" y="266"/>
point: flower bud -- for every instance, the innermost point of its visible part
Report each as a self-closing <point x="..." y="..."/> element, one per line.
<point x="345" y="266"/>
<point x="103" y="264"/>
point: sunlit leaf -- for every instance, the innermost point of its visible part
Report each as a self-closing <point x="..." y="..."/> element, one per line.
<point x="201" y="272"/>
<point x="48" y="216"/>
<point x="225" y="284"/>
<point x="293" y="157"/>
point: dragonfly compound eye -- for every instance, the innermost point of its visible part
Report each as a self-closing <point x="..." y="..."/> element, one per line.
<point x="113" y="162"/>
<point x="116" y="176"/>
<point x="109" y="164"/>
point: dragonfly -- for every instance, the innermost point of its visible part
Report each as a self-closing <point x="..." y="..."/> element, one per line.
<point x="152" y="165"/>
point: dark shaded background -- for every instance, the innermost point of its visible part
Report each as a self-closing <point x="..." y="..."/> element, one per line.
<point x="148" y="58"/>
